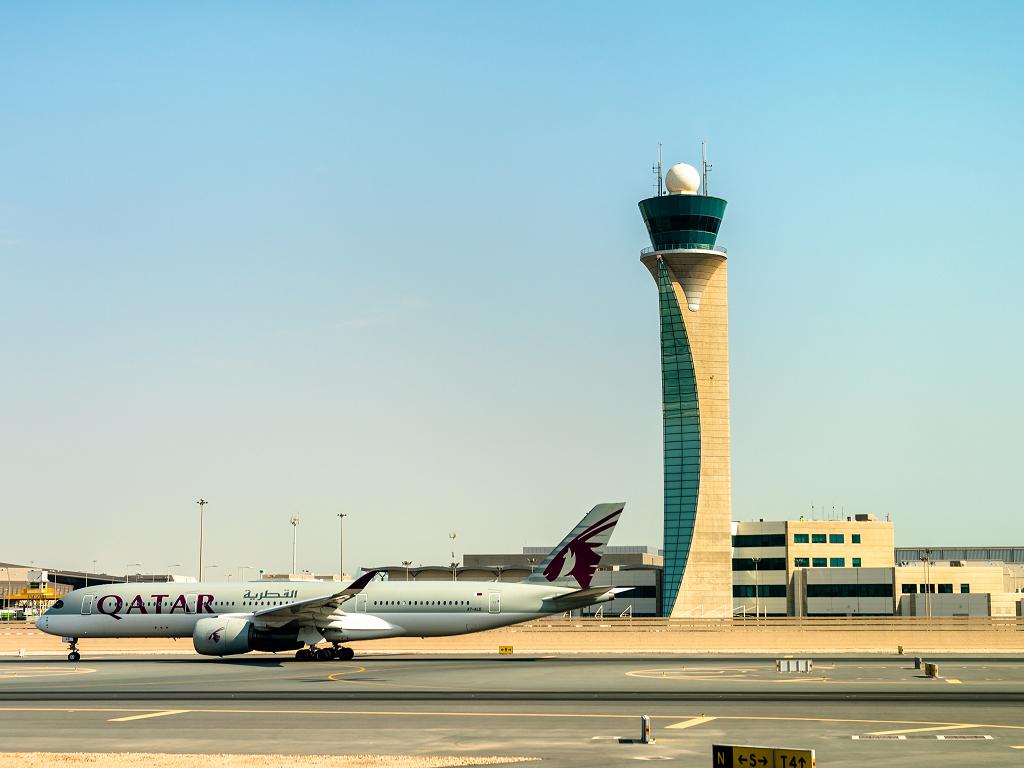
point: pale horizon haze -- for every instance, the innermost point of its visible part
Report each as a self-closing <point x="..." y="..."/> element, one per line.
<point x="383" y="259"/>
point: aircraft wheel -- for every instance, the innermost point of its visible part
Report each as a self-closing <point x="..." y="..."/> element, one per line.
<point x="74" y="656"/>
<point x="303" y="655"/>
<point x="324" y="654"/>
<point x="346" y="654"/>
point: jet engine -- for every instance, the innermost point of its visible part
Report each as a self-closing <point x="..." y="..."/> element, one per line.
<point x="216" y="636"/>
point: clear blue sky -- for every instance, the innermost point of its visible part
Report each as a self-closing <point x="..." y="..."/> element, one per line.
<point x="383" y="258"/>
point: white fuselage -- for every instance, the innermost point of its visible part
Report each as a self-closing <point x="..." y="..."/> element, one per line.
<point x="381" y="609"/>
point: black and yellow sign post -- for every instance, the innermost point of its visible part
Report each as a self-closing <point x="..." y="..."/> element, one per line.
<point x="736" y="756"/>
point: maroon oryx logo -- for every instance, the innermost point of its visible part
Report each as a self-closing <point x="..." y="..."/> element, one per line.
<point x="578" y="558"/>
<point x="215" y="635"/>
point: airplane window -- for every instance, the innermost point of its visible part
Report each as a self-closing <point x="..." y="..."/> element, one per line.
<point x="59" y="604"/>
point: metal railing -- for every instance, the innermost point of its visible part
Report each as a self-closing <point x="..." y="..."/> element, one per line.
<point x="684" y="247"/>
<point x="780" y="624"/>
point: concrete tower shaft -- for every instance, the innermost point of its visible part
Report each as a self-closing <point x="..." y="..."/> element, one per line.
<point x="691" y="274"/>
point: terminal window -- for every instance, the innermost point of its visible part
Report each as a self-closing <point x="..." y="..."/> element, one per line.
<point x="909" y="589"/>
<point x="837" y="562"/>
<point x="820" y="562"/>
<point x="836" y="538"/>
<point x="759" y="540"/>
<point x="818" y="538"/>
<point x="965" y="589"/>
<point x="855" y="538"/>
<point x="801" y="538"/>
<point x="856" y="562"/>
<point x="945" y="589"/>
<point x="801" y="562"/>
<point x="930" y="588"/>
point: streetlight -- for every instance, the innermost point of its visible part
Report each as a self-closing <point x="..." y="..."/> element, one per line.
<point x="202" y="504"/>
<point x="172" y="565"/>
<point x="126" y="567"/>
<point x="454" y="561"/>
<point x="756" y="561"/>
<point x="242" y="569"/>
<point x="407" y="564"/>
<point x="455" y="566"/>
<point x="341" y="545"/>
<point x="926" y="558"/>
<point x="208" y="568"/>
<point x="294" y="520"/>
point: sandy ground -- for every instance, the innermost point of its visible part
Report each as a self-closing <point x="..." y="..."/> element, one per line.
<point x="136" y="759"/>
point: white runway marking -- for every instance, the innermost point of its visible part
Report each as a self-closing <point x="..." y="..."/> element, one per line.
<point x="148" y="714"/>
<point x="690" y="723"/>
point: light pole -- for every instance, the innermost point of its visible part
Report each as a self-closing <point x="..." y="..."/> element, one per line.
<point x="926" y="558"/>
<point x="341" y="545"/>
<point x="294" y="520"/>
<point x="93" y="568"/>
<point x="756" y="561"/>
<point x="172" y="565"/>
<point x="202" y="504"/>
<point x="127" y="566"/>
<point x="407" y="564"/>
<point x="455" y="565"/>
<point x="454" y="561"/>
<point x="7" y="594"/>
<point x="208" y="568"/>
<point x="242" y="569"/>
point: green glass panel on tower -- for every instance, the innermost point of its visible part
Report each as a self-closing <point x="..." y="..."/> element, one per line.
<point x="681" y="424"/>
<point x="682" y="221"/>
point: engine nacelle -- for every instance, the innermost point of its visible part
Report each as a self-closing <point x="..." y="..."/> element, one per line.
<point x="224" y="636"/>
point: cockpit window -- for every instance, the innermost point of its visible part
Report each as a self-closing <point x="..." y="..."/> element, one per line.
<point x="59" y="604"/>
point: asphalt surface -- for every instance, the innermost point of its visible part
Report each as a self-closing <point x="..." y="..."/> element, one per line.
<point x="570" y="711"/>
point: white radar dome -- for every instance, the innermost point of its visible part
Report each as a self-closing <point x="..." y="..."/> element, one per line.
<point x="682" y="179"/>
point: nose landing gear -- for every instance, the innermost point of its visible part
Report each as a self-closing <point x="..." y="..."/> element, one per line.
<point x="324" y="654"/>
<point x="73" y="647"/>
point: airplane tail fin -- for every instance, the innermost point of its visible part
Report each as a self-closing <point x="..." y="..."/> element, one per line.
<point x="574" y="562"/>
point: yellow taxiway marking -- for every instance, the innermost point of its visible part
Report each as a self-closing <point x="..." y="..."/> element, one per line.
<point x="692" y="722"/>
<point x="20" y="673"/>
<point x="952" y="681"/>
<point x="931" y="728"/>
<point x="164" y="713"/>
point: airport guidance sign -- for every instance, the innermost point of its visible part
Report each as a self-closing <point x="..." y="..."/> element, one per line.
<point x="736" y="756"/>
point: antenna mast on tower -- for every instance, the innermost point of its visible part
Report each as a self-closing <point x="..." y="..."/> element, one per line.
<point x="705" y="166"/>
<point x="656" y="170"/>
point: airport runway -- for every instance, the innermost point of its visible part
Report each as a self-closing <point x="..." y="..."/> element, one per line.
<point x="570" y="711"/>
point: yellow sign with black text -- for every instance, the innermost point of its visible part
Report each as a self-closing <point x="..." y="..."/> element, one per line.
<point x="736" y="756"/>
<point x="505" y="650"/>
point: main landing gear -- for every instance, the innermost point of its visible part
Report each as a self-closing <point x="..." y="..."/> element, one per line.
<point x="314" y="653"/>
<point x="73" y="647"/>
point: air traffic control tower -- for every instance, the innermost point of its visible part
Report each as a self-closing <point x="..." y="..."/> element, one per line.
<point x="690" y="272"/>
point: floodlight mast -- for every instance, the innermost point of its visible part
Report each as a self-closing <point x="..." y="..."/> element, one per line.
<point x="294" y="520"/>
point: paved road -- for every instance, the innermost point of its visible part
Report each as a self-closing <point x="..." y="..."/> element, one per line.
<point x="569" y="711"/>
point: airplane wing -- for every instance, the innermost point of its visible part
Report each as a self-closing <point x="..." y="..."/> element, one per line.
<point x="316" y="608"/>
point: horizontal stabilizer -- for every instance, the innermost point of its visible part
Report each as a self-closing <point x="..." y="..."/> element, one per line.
<point x="588" y="595"/>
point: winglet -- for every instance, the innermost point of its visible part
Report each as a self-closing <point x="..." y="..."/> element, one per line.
<point x="359" y="584"/>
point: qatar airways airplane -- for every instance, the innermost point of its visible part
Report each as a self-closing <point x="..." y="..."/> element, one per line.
<point x="225" y="618"/>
